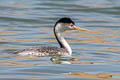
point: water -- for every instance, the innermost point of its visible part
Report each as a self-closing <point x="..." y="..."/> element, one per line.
<point x="26" y="23"/>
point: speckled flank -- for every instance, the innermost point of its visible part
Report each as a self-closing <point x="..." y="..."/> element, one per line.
<point x="43" y="51"/>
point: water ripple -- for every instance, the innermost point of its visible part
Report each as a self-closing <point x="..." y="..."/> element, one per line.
<point x="29" y="23"/>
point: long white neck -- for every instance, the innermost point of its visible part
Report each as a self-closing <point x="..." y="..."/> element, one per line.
<point x="62" y="42"/>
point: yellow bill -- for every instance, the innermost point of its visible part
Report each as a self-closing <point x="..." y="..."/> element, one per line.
<point x="81" y="29"/>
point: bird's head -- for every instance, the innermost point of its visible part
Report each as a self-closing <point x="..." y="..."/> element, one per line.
<point x="66" y="23"/>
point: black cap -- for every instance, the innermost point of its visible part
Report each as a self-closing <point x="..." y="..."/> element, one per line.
<point x="65" y="20"/>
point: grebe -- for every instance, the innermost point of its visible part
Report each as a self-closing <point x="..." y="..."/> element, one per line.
<point x="61" y="26"/>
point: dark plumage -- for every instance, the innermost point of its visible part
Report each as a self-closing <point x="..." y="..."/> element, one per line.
<point x="65" y="20"/>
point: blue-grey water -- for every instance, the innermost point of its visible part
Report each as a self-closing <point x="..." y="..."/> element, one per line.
<point x="28" y="23"/>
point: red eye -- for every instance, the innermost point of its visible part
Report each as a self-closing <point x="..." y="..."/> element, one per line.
<point x="71" y="25"/>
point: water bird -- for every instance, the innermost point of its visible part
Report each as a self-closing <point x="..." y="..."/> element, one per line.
<point x="62" y="25"/>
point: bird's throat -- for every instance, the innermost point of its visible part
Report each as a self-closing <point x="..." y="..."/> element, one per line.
<point x="62" y="42"/>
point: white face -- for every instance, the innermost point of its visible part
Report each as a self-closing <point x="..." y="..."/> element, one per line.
<point x="64" y="26"/>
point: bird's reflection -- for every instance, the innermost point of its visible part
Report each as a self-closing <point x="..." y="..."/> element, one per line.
<point x="62" y="60"/>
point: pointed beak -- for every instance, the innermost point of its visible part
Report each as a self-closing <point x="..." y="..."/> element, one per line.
<point x="81" y="29"/>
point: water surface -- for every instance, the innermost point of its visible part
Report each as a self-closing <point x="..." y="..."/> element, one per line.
<point x="26" y="23"/>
